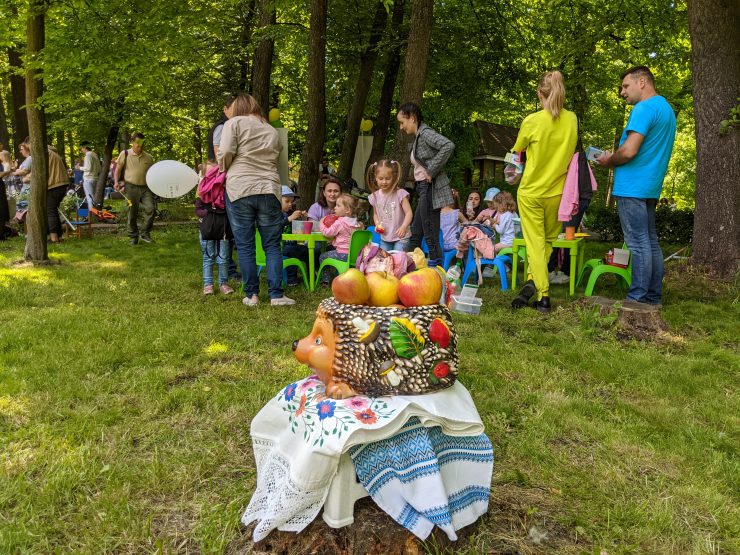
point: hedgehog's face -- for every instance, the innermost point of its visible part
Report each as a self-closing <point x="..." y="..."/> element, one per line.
<point x="317" y="349"/>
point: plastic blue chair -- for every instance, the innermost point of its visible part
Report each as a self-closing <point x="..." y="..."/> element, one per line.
<point x="82" y="220"/>
<point x="499" y="264"/>
<point x="376" y="235"/>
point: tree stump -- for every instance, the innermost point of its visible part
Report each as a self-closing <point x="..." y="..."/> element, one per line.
<point x="639" y="319"/>
<point x="373" y="533"/>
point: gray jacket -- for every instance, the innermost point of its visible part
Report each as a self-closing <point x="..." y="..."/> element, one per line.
<point x="432" y="151"/>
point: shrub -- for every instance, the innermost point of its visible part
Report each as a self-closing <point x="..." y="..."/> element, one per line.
<point x="673" y="226"/>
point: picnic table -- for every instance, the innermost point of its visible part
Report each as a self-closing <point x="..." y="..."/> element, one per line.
<point x="311" y="240"/>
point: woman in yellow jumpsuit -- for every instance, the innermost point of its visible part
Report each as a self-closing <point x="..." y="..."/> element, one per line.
<point x="549" y="137"/>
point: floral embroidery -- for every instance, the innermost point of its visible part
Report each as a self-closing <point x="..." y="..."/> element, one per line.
<point x="326" y="409"/>
<point x="318" y="418"/>
<point x="302" y="406"/>
<point x="366" y="417"/>
<point x="289" y="392"/>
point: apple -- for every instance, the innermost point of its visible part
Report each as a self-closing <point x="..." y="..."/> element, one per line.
<point x="380" y="229"/>
<point x="351" y="287"/>
<point x="420" y="288"/>
<point x="383" y="288"/>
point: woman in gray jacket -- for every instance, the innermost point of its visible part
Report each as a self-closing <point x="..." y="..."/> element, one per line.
<point x="429" y="154"/>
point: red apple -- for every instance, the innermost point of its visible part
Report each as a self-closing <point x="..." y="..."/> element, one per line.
<point x="383" y="288"/>
<point x="351" y="287"/>
<point x="420" y="288"/>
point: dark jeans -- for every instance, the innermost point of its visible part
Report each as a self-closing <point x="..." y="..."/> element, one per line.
<point x="637" y="216"/>
<point x="4" y="208"/>
<point x="262" y="212"/>
<point x="54" y="198"/>
<point x="139" y="195"/>
<point x="559" y="258"/>
<point x="426" y="222"/>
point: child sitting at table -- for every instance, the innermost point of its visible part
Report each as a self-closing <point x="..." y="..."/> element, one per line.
<point x="502" y="223"/>
<point x="291" y="249"/>
<point x="339" y="227"/>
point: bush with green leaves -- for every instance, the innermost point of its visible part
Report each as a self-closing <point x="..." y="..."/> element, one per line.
<point x="673" y="226"/>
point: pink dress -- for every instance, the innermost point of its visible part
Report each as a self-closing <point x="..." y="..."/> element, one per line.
<point x="342" y="231"/>
<point x="390" y="212"/>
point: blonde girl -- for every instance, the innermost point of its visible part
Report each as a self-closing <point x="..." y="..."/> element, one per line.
<point x="339" y="227"/>
<point x="549" y="137"/>
<point x="392" y="212"/>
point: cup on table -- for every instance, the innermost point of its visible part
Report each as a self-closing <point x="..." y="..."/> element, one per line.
<point x="307" y="226"/>
<point x="570" y="233"/>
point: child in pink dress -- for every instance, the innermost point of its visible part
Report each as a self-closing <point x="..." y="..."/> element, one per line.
<point x="392" y="212"/>
<point x="339" y="227"/>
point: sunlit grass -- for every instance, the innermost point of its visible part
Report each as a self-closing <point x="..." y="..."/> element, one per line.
<point x="126" y="398"/>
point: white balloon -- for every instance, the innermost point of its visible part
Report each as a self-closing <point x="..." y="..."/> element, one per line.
<point x="171" y="179"/>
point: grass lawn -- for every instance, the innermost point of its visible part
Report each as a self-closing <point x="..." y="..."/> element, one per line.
<point x="126" y="397"/>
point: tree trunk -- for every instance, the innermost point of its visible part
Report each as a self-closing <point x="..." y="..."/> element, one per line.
<point x="362" y="89"/>
<point x="262" y="63"/>
<point x="71" y="149"/>
<point x="380" y="129"/>
<point x="618" y="129"/>
<point x="18" y="95"/>
<point x="61" y="148"/>
<point x="110" y="144"/>
<point x="36" y="224"/>
<point x="4" y="132"/>
<point x="715" y="44"/>
<point x="311" y="155"/>
<point x="414" y="71"/>
<point x="245" y="39"/>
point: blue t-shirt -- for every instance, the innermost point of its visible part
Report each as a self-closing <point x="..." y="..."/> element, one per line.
<point x="642" y="177"/>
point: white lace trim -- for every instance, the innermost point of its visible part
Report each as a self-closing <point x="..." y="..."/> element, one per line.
<point x="278" y="502"/>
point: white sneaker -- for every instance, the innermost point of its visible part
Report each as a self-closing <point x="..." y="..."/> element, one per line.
<point x="282" y="301"/>
<point x="558" y="278"/>
<point x="488" y="272"/>
<point x="251" y="301"/>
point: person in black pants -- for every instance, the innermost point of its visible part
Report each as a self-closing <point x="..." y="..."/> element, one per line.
<point x="429" y="154"/>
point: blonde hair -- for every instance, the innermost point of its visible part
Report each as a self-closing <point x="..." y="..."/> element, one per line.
<point x="552" y="89"/>
<point x="372" y="169"/>
<point x="349" y="202"/>
<point x="6" y="159"/>
<point x="245" y="105"/>
<point x="505" y="201"/>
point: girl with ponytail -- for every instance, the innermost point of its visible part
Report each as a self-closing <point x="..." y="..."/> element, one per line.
<point x="549" y="137"/>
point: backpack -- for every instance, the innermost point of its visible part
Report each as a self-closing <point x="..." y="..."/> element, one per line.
<point x="211" y="188"/>
<point x="214" y="226"/>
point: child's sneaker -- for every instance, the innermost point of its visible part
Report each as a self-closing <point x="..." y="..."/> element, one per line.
<point x="489" y="272"/>
<point x="225" y="288"/>
<point x="282" y="301"/>
<point x="208" y="290"/>
<point x="251" y="301"/>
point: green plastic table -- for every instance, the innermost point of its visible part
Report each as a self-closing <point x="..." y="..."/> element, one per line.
<point x="576" y="247"/>
<point x="311" y="239"/>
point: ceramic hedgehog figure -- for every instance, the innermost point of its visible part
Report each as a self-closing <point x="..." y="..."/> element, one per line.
<point x="365" y="350"/>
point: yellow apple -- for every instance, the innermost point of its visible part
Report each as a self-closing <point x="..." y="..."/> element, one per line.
<point x="383" y="288"/>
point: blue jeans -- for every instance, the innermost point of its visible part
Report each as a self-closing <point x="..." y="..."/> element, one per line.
<point x="262" y="212"/>
<point x="637" y="216"/>
<point x="400" y="245"/>
<point x="215" y="252"/>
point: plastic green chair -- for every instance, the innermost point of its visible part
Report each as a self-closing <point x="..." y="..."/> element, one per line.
<point x="287" y="262"/>
<point x="599" y="267"/>
<point x="359" y="239"/>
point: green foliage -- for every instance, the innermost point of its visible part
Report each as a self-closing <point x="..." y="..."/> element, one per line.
<point x="726" y="124"/>
<point x="672" y="226"/>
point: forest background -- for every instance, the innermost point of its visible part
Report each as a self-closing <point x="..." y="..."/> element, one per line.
<point x="163" y="68"/>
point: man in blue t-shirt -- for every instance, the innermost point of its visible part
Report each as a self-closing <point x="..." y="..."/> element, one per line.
<point x="640" y="164"/>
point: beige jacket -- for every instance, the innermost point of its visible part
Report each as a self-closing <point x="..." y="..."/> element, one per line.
<point x="248" y="153"/>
